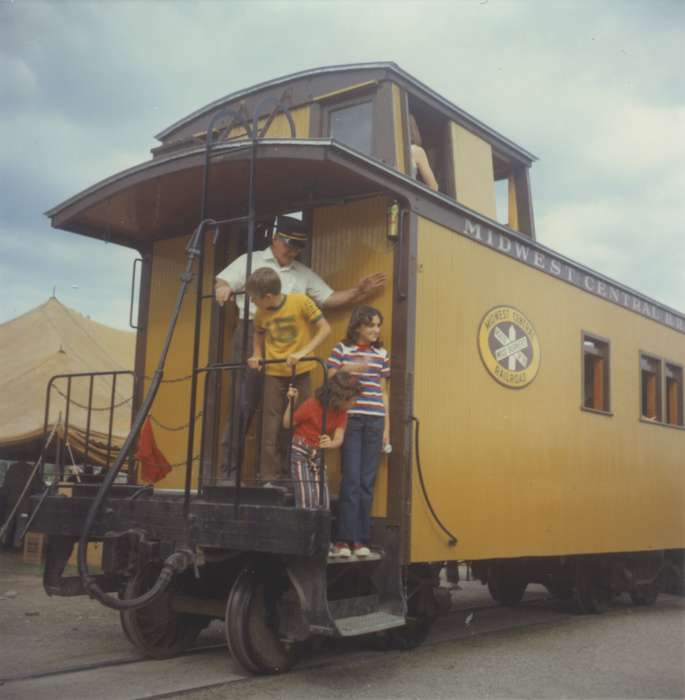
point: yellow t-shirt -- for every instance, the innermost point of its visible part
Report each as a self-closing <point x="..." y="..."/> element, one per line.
<point x="287" y="329"/>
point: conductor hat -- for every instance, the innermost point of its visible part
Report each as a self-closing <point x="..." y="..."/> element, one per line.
<point x="292" y="231"/>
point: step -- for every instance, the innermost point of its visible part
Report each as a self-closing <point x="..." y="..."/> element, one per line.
<point x="374" y="556"/>
<point x="367" y="624"/>
<point x="249" y="495"/>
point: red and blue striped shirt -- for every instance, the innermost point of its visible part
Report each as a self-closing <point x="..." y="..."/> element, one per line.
<point x="370" y="402"/>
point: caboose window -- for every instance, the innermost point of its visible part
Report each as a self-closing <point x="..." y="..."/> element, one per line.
<point x="596" y="374"/>
<point x="674" y="394"/>
<point x="353" y="125"/>
<point x="433" y="137"/>
<point x="650" y="373"/>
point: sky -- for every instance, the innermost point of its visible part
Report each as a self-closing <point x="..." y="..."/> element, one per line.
<point x="594" y="89"/>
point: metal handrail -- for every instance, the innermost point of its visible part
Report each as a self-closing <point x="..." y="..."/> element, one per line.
<point x="236" y="366"/>
<point x="89" y="408"/>
<point x="251" y="130"/>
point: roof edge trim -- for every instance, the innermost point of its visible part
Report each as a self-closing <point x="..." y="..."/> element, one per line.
<point x="400" y="178"/>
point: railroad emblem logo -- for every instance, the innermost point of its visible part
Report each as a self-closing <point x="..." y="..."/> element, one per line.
<point x="509" y="347"/>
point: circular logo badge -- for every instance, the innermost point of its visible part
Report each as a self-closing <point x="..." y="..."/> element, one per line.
<point x="509" y="347"/>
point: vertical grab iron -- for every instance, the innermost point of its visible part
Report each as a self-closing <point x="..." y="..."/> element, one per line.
<point x="251" y="128"/>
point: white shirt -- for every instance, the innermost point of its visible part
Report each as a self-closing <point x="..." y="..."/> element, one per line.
<point x="295" y="277"/>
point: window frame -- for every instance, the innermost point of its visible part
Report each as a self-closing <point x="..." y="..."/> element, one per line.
<point x="659" y="420"/>
<point x="438" y="142"/>
<point x="333" y="105"/>
<point x="680" y="398"/>
<point x="519" y="204"/>
<point x="588" y="335"/>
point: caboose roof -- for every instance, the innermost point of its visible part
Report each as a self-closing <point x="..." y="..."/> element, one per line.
<point x="306" y="85"/>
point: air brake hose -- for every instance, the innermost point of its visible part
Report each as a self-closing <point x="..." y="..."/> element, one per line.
<point x="452" y="541"/>
<point x="179" y="560"/>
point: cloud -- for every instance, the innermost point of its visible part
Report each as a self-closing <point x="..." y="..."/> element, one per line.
<point x="630" y="240"/>
<point x="637" y="137"/>
<point x="594" y="89"/>
<point x="35" y="264"/>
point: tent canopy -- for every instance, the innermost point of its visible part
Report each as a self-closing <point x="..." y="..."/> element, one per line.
<point x="53" y="340"/>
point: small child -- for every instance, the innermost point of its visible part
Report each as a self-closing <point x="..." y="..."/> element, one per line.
<point x="368" y="427"/>
<point x="287" y="327"/>
<point x="310" y="437"/>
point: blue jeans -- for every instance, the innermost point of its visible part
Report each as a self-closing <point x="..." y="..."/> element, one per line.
<point x="361" y="453"/>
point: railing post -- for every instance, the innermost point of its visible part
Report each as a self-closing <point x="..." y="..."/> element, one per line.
<point x="66" y="429"/>
<point x="90" y="411"/>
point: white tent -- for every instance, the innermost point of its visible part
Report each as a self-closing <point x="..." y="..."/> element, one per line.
<point x="53" y="340"/>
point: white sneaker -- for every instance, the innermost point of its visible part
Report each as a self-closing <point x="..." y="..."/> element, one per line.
<point x="341" y="549"/>
<point x="360" y="550"/>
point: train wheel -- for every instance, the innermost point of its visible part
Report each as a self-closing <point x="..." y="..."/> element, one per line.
<point x="252" y="623"/>
<point x="156" y="629"/>
<point x="593" y="591"/>
<point x="421" y="609"/>
<point x="506" y="586"/>
<point x="645" y="594"/>
<point x="235" y="625"/>
<point x="560" y="590"/>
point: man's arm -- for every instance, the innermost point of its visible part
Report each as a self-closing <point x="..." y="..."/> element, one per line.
<point x="365" y="287"/>
<point x="230" y="281"/>
<point x="222" y="291"/>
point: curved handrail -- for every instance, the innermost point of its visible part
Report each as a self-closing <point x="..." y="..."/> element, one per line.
<point x="279" y="108"/>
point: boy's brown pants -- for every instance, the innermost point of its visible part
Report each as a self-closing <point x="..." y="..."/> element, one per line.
<point x="275" y="448"/>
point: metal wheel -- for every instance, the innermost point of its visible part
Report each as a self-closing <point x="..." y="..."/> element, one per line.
<point x="593" y="589"/>
<point x="560" y="590"/>
<point x="156" y="629"/>
<point x="645" y="594"/>
<point x="506" y="586"/>
<point x="421" y="609"/>
<point x="252" y="623"/>
<point x="235" y="626"/>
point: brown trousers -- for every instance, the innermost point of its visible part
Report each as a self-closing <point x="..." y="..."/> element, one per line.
<point x="246" y="397"/>
<point x="275" y="440"/>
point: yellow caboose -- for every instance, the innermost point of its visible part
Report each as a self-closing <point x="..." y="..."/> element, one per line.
<point x="536" y="406"/>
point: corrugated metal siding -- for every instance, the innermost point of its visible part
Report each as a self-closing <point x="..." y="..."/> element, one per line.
<point x="473" y="171"/>
<point x="525" y="472"/>
<point x="171" y="405"/>
<point x="350" y="242"/>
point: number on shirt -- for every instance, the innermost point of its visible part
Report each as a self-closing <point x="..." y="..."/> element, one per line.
<point x="283" y="330"/>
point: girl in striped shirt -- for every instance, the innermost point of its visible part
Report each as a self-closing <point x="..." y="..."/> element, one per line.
<point x="362" y="354"/>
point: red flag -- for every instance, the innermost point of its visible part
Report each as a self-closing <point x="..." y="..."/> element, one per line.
<point x="153" y="464"/>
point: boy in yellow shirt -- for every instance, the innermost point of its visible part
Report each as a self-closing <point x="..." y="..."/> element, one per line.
<point x="286" y="327"/>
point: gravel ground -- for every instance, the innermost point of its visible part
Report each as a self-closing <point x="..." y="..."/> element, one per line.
<point x="628" y="652"/>
<point x="539" y="650"/>
<point x="42" y="633"/>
